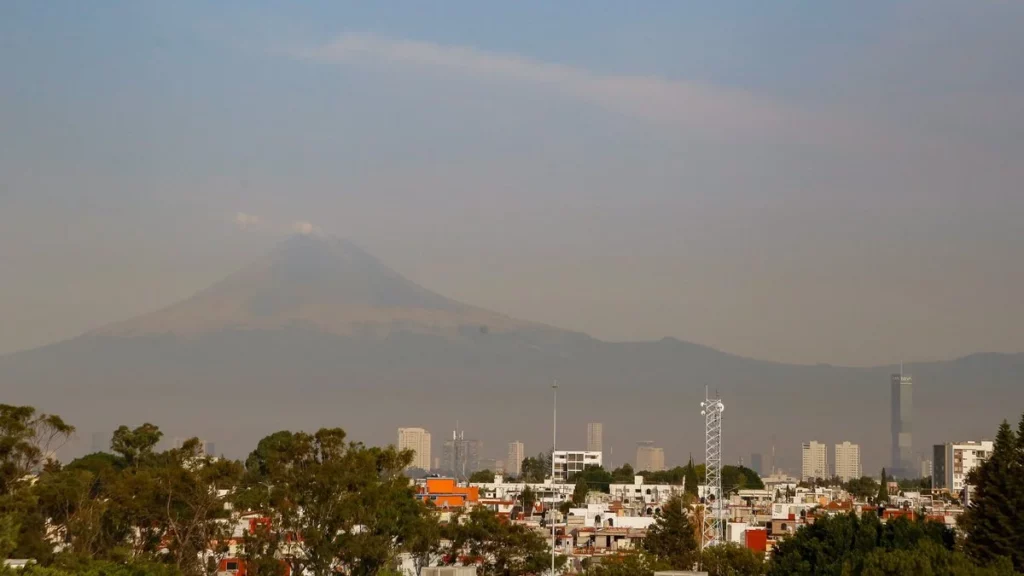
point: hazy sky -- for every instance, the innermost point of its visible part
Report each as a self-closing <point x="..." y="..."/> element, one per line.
<point x="797" y="181"/>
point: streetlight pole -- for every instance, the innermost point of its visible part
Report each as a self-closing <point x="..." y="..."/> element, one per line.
<point x="554" y="442"/>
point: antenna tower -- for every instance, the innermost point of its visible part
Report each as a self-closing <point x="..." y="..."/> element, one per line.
<point x="713" y="531"/>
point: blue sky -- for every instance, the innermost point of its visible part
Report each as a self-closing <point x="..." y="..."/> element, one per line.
<point x="803" y="181"/>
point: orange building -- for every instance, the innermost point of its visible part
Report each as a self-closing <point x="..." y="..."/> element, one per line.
<point x="445" y="493"/>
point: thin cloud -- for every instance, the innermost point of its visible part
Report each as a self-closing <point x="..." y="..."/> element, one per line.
<point x="246" y="221"/>
<point x="678" y="103"/>
<point x="304" y="227"/>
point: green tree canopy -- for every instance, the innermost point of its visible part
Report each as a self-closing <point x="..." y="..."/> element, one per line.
<point x="847" y="544"/>
<point x="672" y="539"/>
<point x="482" y="476"/>
<point x="883" y="490"/>
<point x="498" y="547"/>
<point x="993" y="520"/>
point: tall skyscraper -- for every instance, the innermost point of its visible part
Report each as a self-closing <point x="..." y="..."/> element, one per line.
<point x="848" y="461"/>
<point x="417" y="440"/>
<point x="757" y="463"/>
<point x="461" y="457"/>
<point x="595" y="431"/>
<point x="514" y="462"/>
<point x="902" y="415"/>
<point x="649" y="458"/>
<point x="814" y="461"/>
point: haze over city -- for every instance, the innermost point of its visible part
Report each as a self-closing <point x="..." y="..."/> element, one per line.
<point x="325" y="204"/>
<point x="522" y="288"/>
<point x="809" y="183"/>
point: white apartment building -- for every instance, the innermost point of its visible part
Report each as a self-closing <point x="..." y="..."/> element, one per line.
<point x="952" y="462"/>
<point x="547" y="491"/>
<point x="516" y="455"/>
<point x="848" y="461"/>
<point x="649" y="458"/>
<point x="595" y="440"/>
<point x="814" y="461"/>
<point x="569" y="462"/>
<point x="639" y="494"/>
<point x="417" y="440"/>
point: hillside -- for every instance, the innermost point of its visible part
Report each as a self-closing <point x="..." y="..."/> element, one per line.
<point x="320" y="333"/>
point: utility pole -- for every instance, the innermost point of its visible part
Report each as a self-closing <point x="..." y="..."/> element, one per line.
<point x="554" y="442"/>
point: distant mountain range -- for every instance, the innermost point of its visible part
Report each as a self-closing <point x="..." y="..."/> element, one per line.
<point x="320" y="333"/>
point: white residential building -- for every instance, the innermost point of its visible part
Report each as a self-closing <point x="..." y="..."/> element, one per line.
<point x="642" y="495"/>
<point x="814" y="460"/>
<point x="569" y="462"/>
<point x="848" y="461"/>
<point x="547" y="492"/>
<point x="417" y="440"/>
<point x="516" y="455"/>
<point x="952" y="463"/>
<point x="595" y="434"/>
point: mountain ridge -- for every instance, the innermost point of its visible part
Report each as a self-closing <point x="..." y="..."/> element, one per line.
<point x="388" y="353"/>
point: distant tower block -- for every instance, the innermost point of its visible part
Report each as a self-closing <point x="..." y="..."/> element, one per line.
<point x="713" y="531"/>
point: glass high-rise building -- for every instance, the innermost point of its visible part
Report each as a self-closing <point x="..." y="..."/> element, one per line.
<point x="595" y="440"/>
<point x="902" y="418"/>
<point x="516" y="454"/>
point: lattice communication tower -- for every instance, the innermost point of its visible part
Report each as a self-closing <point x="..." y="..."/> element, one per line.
<point x="714" y="523"/>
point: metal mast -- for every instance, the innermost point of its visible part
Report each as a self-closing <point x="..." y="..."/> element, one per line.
<point x="714" y="524"/>
<point x="554" y="442"/>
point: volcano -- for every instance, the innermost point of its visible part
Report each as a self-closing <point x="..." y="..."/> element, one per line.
<point x="320" y="333"/>
<point x="317" y="283"/>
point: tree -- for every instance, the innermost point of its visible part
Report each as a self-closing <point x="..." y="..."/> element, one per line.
<point x="690" y="478"/>
<point x="349" y="505"/>
<point x="189" y="483"/>
<point x="579" y="493"/>
<point x="534" y="470"/>
<point x="482" y="476"/>
<point x="851" y="544"/>
<point x="862" y="488"/>
<point x="989" y="520"/>
<point x="529" y="498"/>
<point x="1018" y="496"/>
<point x="497" y="546"/>
<point x="883" y="490"/>
<point x="637" y="564"/>
<point x="672" y="538"/>
<point x="27" y="441"/>
<point x="597" y="478"/>
<point x="135" y="446"/>
<point x="623" y="474"/>
<point x="740" y="478"/>
<point x="730" y="559"/>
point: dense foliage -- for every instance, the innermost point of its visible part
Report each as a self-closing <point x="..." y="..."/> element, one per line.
<point x="849" y="544"/>
<point x="994" y="520"/>
<point x="324" y="505"/>
<point x="333" y="505"/>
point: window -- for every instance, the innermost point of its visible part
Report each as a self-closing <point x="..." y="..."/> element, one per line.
<point x="232" y="566"/>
